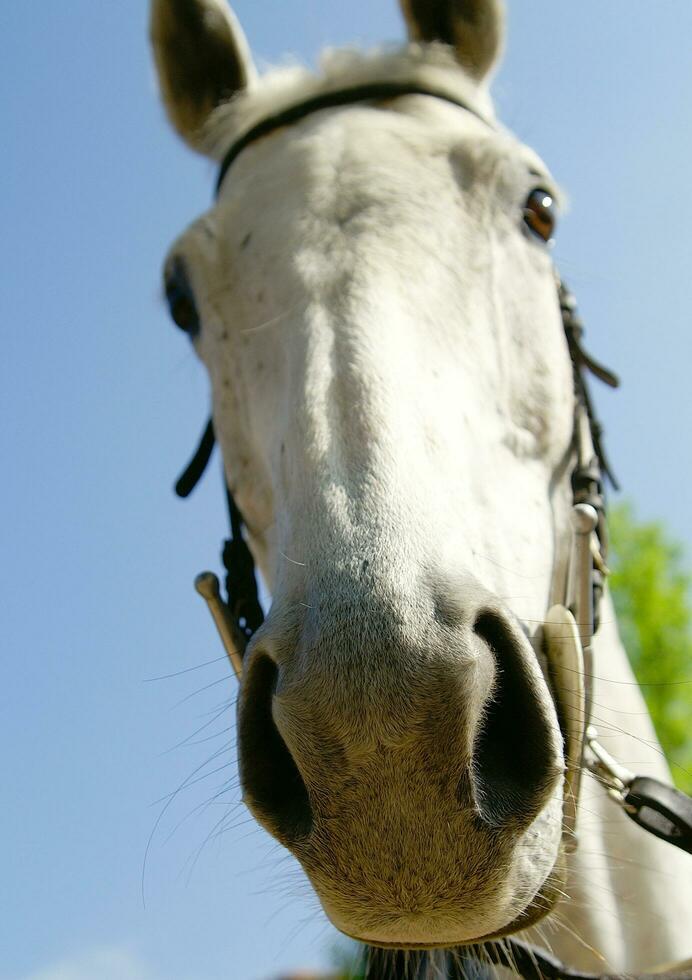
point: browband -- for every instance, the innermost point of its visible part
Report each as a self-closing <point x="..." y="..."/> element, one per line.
<point x="327" y="100"/>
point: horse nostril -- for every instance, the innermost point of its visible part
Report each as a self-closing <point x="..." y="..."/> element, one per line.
<point x="515" y="760"/>
<point x="272" y="784"/>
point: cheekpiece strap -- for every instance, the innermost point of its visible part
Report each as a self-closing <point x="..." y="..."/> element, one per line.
<point x="592" y="462"/>
<point x="242" y="599"/>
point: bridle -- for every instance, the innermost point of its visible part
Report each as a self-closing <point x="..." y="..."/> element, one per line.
<point x="658" y="808"/>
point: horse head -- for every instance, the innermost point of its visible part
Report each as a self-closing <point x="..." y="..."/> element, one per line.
<point x="375" y="303"/>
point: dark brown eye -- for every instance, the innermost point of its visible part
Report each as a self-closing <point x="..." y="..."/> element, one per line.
<point x="181" y="300"/>
<point x="540" y="214"/>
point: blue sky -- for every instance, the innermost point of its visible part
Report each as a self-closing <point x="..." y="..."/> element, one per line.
<point x="102" y="402"/>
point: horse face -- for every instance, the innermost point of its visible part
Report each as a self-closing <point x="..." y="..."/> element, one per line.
<point x="392" y="393"/>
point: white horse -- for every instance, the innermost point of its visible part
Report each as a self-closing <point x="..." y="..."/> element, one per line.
<point x="374" y="302"/>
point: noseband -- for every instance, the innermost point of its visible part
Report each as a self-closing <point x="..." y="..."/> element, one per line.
<point x="658" y="808"/>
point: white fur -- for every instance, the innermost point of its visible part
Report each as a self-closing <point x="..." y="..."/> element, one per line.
<point x="392" y="392"/>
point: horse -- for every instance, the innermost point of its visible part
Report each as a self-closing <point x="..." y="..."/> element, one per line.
<point x="395" y="397"/>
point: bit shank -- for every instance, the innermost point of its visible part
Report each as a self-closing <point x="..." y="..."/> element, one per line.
<point x="207" y="584"/>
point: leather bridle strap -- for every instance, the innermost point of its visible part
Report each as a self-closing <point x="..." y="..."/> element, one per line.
<point x="245" y="615"/>
<point x="330" y="100"/>
<point x="592" y="466"/>
<point x="658" y="808"/>
<point x="194" y="471"/>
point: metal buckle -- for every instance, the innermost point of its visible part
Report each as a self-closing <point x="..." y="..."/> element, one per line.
<point x="615" y="777"/>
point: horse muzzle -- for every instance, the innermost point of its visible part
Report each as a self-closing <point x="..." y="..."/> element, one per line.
<point x="415" y="773"/>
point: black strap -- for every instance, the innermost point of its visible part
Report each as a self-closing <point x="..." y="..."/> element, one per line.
<point x="327" y="100"/>
<point x="582" y="360"/>
<point x="588" y="475"/>
<point x="194" y="471"/>
<point x="241" y="580"/>
<point x="664" y="811"/>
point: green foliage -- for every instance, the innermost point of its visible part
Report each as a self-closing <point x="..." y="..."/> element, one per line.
<point x="651" y="591"/>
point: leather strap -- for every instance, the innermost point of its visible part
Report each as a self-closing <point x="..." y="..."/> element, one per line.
<point x="664" y="811"/>
<point x="329" y="100"/>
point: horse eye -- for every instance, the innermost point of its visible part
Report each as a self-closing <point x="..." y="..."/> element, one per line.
<point x="181" y="300"/>
<point x="540" y="214"/>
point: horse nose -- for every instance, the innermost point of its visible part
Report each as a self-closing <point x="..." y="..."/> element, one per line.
<point x="482" y="712"/>
<point x="517" y="749"/>
<point x="273" y="786"/>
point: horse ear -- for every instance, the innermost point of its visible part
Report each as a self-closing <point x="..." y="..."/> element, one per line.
<point x="474" y="28"/>
<point x="202" y="59"/>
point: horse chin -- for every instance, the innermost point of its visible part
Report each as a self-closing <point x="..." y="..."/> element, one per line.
<point x="541" y="905"/>
<point x="498" y="913"/>
<point x="537" y="908"/>
<point x="405" y="846"/>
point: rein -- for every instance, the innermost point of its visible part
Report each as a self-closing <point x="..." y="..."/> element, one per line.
<point x="656" y="807"/>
